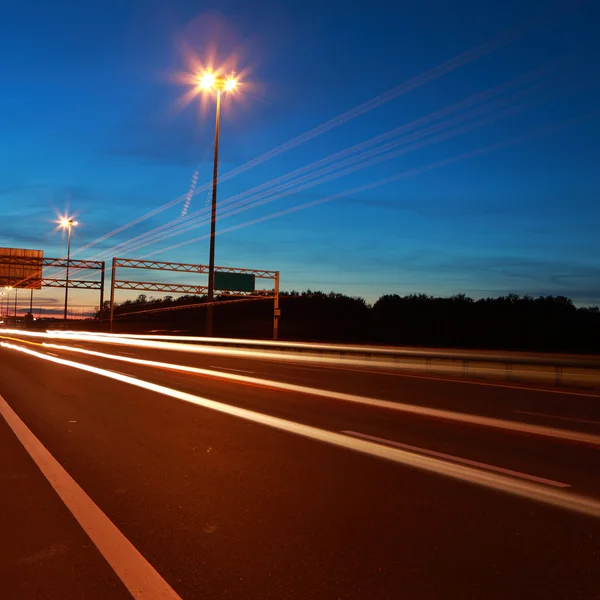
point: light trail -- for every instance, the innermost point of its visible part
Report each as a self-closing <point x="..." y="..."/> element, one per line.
<point x="153" y="344"/>
<point x="381" y="367"/>
<point x="352" y="164"/>
<point x="446" y="415"/>
<point x="197" y="219"/>
<point x="406" y="174"/>
<point x="342" y="348"/>
<point x="233" y="211"/>
<point x="121" y="315"/>
<point x="469" y="56"/>
<point x="459" y="459"/>
<point x="499" y="482"/>
<point x="397" y="131"/>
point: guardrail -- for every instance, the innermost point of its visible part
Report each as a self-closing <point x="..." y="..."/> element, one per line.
<point x="553" y="369"/>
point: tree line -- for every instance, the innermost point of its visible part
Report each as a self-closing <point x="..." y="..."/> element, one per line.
<point x="512" y="322"/>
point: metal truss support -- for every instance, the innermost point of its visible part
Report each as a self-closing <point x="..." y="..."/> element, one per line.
<point x="112" y="294"/>
<point x="52" y="262"/>
<point x="54" y="282"/>
<point x="81" y="284"/>
<point x="132" y="263"/>
<point x="177" y="288"/>
<point x="276" y="309"/>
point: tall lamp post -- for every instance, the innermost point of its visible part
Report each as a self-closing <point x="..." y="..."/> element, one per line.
<point x="209" y="81"/>
<point x="68" y="224"/>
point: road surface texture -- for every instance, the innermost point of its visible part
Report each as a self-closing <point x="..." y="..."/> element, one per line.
<point x="206" y="485"/>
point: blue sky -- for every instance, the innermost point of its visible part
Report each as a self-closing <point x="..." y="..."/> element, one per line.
<point x="92" y="120"/>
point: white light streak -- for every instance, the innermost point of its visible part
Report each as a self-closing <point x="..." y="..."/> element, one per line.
<point x="422" y="411"/>
<point x="474" y="53"/>
<point x="525" y="489"/>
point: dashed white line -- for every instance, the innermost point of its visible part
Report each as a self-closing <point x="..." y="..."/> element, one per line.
<point x="137" y="574"/>
<point x="537" y="414"/>
<point x="457" y="459"/>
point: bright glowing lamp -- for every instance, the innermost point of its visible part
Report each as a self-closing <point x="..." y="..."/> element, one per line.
<point x="230" y="85"/>
<point x="207" y="81"/>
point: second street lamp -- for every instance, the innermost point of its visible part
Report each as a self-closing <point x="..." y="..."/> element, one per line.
<point x="68" y="224"/>
<point x="210" y="81"/>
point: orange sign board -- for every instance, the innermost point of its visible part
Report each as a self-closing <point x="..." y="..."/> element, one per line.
<point x="21" y="268"/>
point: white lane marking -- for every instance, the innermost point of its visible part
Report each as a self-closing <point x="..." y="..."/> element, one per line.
<point x="229" y="369"/>
<point x="436" y="413"/>
<point x="137" y="574"/>
<point x="52" y="354"/>
<point x="537" y="414"/>
<point x="465" y="461"/>
<point x="526" y="489"/>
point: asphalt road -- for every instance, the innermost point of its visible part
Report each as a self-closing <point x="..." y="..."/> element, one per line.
<point x="277" y="502"/>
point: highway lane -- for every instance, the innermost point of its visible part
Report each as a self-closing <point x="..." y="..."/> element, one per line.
<point x="43" y="551"/>
<point x="530" y="455"/>
<point x="223" y="507"/>
<point x="471" y="443"/>
<point x="551" y="407"/>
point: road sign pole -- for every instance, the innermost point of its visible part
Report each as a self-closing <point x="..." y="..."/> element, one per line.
<point x="276" y="309"/>
<point x="102" y="271"/>
<point x="112" y="294"/>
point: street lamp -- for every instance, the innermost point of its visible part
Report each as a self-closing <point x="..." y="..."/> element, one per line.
<point x="210" y="81"/>
<point x="68" y="224"/>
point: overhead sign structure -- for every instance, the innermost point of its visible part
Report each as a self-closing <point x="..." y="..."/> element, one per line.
<point x="21" y="268"/>
<point x="230" y="281"/>
<point x="24" y="269"/>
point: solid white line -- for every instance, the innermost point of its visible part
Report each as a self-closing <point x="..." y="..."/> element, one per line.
<point x="138" y="575"/>
<point x="525" y="489"/>
<point x="537" y="414"/>
<point x="565" y="434"/>
<point x="464" y="461"/>
<point x="229" y="369"/>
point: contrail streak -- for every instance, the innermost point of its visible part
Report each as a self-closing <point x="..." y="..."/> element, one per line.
<point x="436" y="165"/>
<point x="352" y="164"/>
<point x="490" y="45"/>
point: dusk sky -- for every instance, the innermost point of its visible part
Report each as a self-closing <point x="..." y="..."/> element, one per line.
<point x="497" y="195"/>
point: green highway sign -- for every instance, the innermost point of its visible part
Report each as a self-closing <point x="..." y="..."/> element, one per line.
<point x="235" y="282"/>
